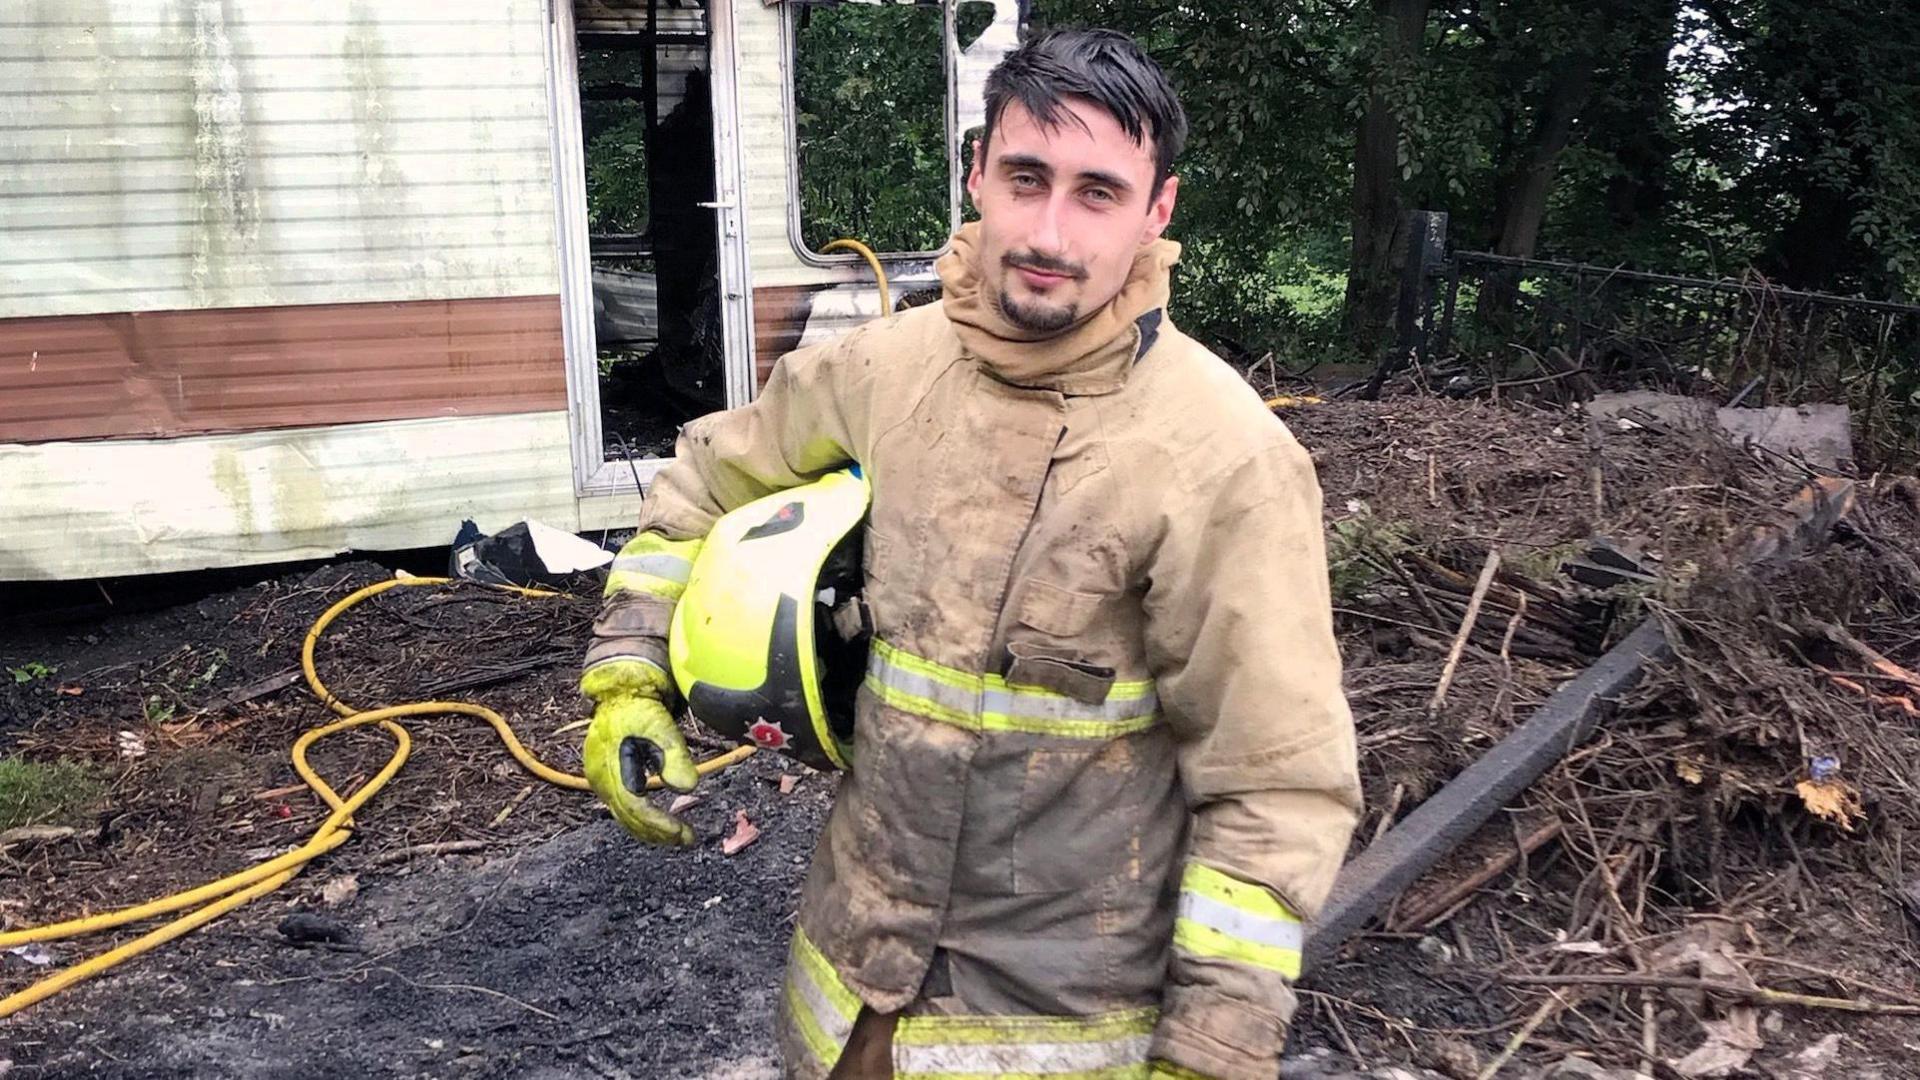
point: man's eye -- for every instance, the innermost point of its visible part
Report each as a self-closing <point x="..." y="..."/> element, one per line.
<point x="1025" y="180"/>
<point x="1099" y="194"/>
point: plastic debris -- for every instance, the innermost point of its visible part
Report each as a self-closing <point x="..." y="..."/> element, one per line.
<point x="528" y="553"/>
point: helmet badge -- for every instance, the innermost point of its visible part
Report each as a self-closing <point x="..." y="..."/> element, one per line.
<point x="768" y="735"/>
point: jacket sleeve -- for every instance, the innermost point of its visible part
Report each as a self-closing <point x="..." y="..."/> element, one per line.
<point x="805" y="423"/>
<point x="797" y="430"/>
<point x="1240" y="637"/>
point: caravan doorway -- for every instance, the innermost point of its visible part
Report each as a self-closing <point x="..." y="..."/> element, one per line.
<point x="647" y="132"/>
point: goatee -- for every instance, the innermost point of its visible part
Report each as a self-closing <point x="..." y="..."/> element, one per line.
<point x="1036" y="318"/>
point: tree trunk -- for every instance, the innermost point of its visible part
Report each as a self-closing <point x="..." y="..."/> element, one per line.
<point x="1520" y="197"/>
<point x="1520" y="194"/>
<point x="1378" y="209"/>
<point x="1641" y="126"/>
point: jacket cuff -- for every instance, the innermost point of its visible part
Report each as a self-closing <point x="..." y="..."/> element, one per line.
<point x="1218" y="1036"/>
<point x="631" y="627"/>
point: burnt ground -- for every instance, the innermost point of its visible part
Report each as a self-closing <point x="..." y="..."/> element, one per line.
<point x="550" y="945"/>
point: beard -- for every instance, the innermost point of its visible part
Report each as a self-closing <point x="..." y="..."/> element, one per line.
<point x="1038" y="317"/>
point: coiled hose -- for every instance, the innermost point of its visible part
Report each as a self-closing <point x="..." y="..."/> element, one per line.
<point x="216" y="898"/>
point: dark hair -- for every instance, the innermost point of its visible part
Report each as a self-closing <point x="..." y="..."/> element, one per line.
<point x="1107" y="68"/>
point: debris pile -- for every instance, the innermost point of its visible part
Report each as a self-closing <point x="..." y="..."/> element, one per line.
<point x="1716" y="884"/>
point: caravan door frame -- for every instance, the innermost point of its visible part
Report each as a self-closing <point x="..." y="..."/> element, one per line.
<point x="593" y="473"/>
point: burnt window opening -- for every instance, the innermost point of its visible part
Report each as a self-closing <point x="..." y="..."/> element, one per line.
<point x="647" y="121"/>
<point x="870" y="112"/>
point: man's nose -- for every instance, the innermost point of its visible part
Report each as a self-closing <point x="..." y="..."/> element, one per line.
<point x="1049" y="237"/>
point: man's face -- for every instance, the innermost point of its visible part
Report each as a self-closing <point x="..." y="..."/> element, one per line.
<point x="1063" y="210"/>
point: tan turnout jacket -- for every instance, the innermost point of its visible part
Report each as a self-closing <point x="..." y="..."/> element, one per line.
<point x="1103" y="766"/>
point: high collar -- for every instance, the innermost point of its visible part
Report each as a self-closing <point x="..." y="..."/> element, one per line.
<point x="1092" y="356"/>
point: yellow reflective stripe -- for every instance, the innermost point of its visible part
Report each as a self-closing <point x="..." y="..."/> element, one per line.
<point x="1199" y="939"/>
<point x="824" y="1048"/>
<point x="1109" y="1046"/>
<point x="815" y="964"/>
<point x="906" y="661"/>
<point x="929" y="1030"/>
<point x="819" y="1005"/>
<point x="916" y="685"/>
<point x="1221" y="916"/>
<point x="652" y="564"/>
<point x="1116" y="1073"/>
<point x="919" y="706"/>
<point x="1231" y="891"/>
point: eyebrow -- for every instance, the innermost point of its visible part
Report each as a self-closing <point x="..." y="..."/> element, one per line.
<point x="1098" y="176"/>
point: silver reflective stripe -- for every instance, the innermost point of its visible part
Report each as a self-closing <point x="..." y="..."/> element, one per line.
<point x="836" y="1026"/>
<point x="665" y="567"/>
<point x="1007" y="702"/>
<point x="1278" y="933"/>
<point x="997" y="1059"/>
<point x="1059" y="707"/>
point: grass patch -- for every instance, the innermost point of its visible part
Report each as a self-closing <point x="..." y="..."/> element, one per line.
<point x="33" y="792"/>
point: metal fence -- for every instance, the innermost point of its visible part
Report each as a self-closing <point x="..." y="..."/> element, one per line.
<point x="1741" y="340"/>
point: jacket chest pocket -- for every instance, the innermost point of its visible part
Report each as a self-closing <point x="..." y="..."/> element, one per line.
<point x="1082" y="815"/>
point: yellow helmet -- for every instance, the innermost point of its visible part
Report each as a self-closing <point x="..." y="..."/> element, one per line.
<point x="769" y="641"/>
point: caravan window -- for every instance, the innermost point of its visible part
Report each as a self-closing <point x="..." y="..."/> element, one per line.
<point x="874" y="145"/>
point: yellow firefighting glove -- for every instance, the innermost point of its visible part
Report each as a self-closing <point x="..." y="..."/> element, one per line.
<point x="632" y="733"/>
<point x="1166" y="1070"/>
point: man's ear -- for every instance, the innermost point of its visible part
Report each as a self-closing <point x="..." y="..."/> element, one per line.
<point x="1161" y="211"/>
<point x="974" y="174"/>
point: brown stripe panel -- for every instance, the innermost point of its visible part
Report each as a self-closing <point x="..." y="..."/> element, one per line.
<point x="161" y="373"/>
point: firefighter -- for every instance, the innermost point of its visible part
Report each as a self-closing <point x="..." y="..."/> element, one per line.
<point x="1101" y="765"/>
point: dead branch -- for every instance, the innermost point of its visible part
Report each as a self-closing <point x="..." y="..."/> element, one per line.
<point x="1428" y="910"/>
<point x="444" y="847"/>
<point x="1760" y="994"/>
<point x="1466" y="630"/>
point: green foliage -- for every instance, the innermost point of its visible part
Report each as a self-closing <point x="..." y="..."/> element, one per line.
<point x="157" y="709"/>
<point x="1709" y="138"/>
<point x="617" y="177"/>
<point x="870" y="93"/>
<point x="616" y="137"/>
<point x="31" y="671"/>
<point x="1542" y="564"/>
<point x="34" y="792"/>
<point x="1360" y="552"/>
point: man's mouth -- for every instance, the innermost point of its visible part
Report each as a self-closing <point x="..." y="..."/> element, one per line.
<point x="1044" y="273"/>
<point x="1041" y="279"/>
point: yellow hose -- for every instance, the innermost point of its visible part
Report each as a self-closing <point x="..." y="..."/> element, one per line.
<point x="879" y="272"/>
<point x="222" y="896"/>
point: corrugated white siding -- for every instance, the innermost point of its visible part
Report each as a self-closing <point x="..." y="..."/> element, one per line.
<point x="765" y="148"/>
<point x="86" y="509"/>
<point x="164" y="154"/>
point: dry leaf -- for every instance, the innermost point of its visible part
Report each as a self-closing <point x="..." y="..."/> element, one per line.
<point x="1730" y="1043"/>
<point x="1810" y="1063"/>
<point x="131" y="744"/>
<point x="744" y="833"/>
<point x="340" y="890"/>
<point x="1834" y="800"/>
<point x="788" y="781"/>
<point x="684" y="802"/>
<point x="1689" y="771"/>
